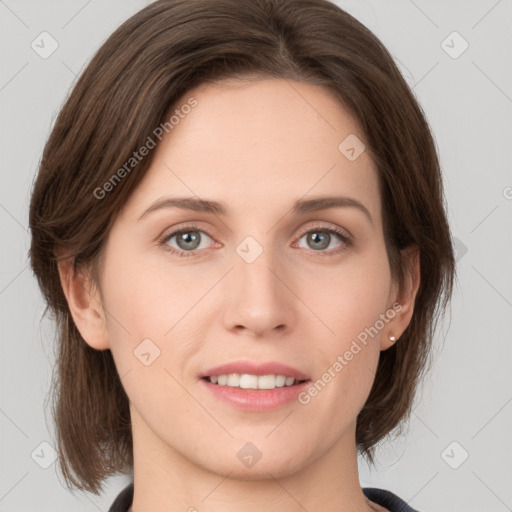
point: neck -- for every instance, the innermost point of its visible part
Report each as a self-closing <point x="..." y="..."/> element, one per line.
<point x="165" y="480"/>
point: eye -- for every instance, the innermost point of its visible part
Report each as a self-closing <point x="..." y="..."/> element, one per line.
<point x="320" y="238"/>
<point x="185" y="242"/>
<point x="188" y="240"/>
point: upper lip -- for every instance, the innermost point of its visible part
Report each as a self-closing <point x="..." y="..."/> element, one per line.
<point x="255" y="368"/>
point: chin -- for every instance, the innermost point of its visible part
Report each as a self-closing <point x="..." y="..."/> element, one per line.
<point x="274" y="462"/>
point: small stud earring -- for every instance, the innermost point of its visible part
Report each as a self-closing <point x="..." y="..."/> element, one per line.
<point x="392" y="339"/>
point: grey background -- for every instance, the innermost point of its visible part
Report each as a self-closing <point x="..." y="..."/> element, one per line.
<point x="465" y="399"/>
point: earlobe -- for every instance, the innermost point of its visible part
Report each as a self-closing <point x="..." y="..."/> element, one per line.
<point x="404" y="298"/>
<point x="84" y="303"/>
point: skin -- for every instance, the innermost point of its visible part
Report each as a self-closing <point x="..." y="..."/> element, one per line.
<point x="256" y="147"/>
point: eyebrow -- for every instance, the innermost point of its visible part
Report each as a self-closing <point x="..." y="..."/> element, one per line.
<point x="299" y="206"/>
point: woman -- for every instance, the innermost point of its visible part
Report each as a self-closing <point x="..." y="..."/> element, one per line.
<point x="239" y="225"/>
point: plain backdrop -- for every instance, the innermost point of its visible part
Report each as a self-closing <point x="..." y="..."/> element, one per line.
<point x="456" y="453"/>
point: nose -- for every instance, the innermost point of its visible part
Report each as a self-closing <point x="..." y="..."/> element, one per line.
<point x="259" y="300"/>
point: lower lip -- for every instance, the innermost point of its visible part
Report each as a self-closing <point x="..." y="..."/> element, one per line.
<point x="256" y="399"/>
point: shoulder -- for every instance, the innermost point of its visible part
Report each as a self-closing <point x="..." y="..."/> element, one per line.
<point x="387" y="499"/>
<point x="123" y="500"/>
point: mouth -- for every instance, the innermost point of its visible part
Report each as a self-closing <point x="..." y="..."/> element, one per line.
<point x="251" y="381"/>
<point x="256" y="393"/>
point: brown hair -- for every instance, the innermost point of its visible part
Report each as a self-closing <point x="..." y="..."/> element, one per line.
<point x="128" y="89"/>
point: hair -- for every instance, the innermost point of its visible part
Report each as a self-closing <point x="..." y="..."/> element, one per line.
<point x="127" y="90"/>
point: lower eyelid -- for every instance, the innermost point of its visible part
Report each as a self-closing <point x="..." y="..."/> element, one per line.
<point x="166" y="238"/>
<point x="345" y="241"/>
<point x="344" y="238"/>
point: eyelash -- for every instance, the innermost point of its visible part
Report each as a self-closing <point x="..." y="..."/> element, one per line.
<point x="346" y="240"/>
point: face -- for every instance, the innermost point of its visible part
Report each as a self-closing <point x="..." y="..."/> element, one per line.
<point x="259" y="279"/>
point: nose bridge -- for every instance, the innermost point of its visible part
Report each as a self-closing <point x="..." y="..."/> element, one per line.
<point x="259" y="301"/>
<point x="254" y="267"/>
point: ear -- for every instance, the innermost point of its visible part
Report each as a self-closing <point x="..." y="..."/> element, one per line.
<point x="84" y="302"/>
<point x="403" y="298"/>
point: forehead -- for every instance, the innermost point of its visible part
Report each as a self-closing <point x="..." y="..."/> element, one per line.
<point x="266" y="142"/>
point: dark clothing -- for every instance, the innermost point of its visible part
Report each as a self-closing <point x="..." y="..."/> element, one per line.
<point x="380" y="496"/>
<point x="387" y="500"/>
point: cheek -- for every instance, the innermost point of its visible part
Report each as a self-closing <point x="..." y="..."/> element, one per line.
<point x="351" y="296"/>
<point x="347" y="362"/>
<point x="351" y="304"/>
<point x="146" y="298"/>
<point x="151" y="310"/>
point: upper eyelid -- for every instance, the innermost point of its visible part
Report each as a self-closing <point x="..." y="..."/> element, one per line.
<point x="346" y="238"/>
<point x="320" y="225"/>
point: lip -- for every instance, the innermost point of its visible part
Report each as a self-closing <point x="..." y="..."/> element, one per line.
<point x="254" y="368"/>
<point x="257" y="400"/>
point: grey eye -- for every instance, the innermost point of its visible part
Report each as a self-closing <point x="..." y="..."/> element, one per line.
<point x="189" y="240"/>
<point x="319" y="240"/>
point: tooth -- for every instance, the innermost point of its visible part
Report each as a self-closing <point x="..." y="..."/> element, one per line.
<point x="289" y="381"/>
<point x="280" y="380"/>
<point x="233" y="380"/>
<point x="248" y="381"/>
<point x="266" y="382"/>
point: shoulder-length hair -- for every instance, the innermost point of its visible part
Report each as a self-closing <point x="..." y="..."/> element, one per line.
<point x="127" y="90"/>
